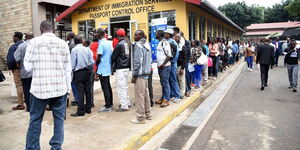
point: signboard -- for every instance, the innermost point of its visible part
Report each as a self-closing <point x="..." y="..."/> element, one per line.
<point x="156" y="24"/>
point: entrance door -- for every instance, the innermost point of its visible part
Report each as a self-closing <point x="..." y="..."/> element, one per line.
<point x="114" y="26"/>
<point x="133" y="27"/>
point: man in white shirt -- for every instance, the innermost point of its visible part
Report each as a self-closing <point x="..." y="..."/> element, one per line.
<point x="48" y="57"/>
<point x="164" y="56"/>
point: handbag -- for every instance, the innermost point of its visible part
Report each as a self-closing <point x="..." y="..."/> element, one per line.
<point x="191" y="67"/>
<point x="2" y="77"/>
<point x="202" y="59"/>
<point x="210" y="62"/>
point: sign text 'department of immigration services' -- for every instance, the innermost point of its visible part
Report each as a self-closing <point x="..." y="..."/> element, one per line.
<point x="124" y="8"/>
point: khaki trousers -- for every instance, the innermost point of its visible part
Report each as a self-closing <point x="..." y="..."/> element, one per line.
<point x="181" y="81"/>
<point x="18" y="83"/>
<point x="142" y="100"/>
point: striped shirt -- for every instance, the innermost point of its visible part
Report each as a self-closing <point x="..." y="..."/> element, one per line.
<point x="19" y="57"/>
<point x="49" y="59"/>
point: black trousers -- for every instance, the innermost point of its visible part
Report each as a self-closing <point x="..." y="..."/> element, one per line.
<point x="83" y="86"/>
<point x="92" y="86"/>
<point x="106" y="88"/>
<point x="150" y="88"/>
<point x="26" y="84"/>
<point x="264" y="74"/>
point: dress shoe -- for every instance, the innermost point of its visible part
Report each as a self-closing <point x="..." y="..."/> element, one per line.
<point x="76" y="115"/>
<point x="19" y="107"/>
<point x="294" y="90"/>
<point x="74" y="103"/>
<point x="88" y="110"/>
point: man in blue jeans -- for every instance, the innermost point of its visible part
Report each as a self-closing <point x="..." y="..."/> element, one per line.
<point x="48" y="58"/>
<point x="164" y="56"/>
<point x="175" y="92"/>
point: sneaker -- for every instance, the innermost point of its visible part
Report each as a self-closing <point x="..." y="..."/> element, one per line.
<point x="121" y="110"/>
<point x="148" y="118"/>
<point x="19" y="107"/>
<point x="159" y="101"/>
<point x="250" y="69"/>
<point x="104" y="109"/>
<point x="290" y="87"/>
<point x="165" y="103"/>
<point x="176" y="100"/>
<point x="135" y="121"/>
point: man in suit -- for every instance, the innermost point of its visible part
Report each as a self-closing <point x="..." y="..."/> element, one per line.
<point x="278" y="50"/>
<point x="265" y="57"/>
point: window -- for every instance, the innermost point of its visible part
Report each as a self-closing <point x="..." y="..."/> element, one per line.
<point x="215" y="29"/>
<point x="170" y="15"/>
<point x="192" y="26"/>
<point x="86" y="28"/>
<point x="219" y="31"/>
<point x="209" y="33"/>
<point x="202" y="28"/>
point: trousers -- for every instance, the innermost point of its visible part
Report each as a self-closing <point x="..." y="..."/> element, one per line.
<point x="107" y="91"/>
<point x="83" y="86"/>
<point x="293" y="75"/>
<point x="181" y="81"/>
<point x="264" y="74"/>
<point x="142" y="100"/>
<point x="37" y="110"/>
<point x="18" y="83"/>
<point x="122" y="87"/>
<point x="26" y="84"/>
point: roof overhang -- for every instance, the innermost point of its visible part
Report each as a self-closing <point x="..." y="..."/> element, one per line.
<point x="82" y="2"/>
<point x="70" y="10"/>
<point x="217" y="13"/>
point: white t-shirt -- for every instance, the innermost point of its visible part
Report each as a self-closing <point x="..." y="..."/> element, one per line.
<point x="162" y="51"/>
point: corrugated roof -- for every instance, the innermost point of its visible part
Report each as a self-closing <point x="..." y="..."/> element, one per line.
<point x="264" y="32"/>
<point x="276" y="25"/>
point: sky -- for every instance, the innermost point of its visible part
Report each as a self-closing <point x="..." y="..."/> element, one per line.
<point x="266" y="3"/>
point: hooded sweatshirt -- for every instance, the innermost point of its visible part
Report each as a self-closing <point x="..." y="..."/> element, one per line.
<point x="141" y="59"/>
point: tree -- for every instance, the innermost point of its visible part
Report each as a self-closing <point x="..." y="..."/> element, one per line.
<point x="242" y="14"/>
<point x="294" y="8"/>
<point x="279" y="13"/>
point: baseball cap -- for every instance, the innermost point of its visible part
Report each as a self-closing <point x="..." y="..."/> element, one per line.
<point x="121" y="32"/>
<point x="170" y="31"/>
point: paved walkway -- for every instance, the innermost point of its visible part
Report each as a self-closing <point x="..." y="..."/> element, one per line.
<point x="249" y="119"/>
<point x="102" y="131"/>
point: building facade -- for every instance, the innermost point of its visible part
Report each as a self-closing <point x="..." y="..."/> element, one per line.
<point x="196" y="20"/>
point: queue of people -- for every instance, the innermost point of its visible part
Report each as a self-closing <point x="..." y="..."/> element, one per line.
<point x="46" y="69"/>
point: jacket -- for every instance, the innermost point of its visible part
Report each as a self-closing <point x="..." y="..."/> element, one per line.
<point x="293" y="56"/>
<point x="121" y="55"/>
<point x="141" y="58"/>
<point x="11" y="62"/>
<point x="182" y="58"/>
<point x="265" y="54"/>
<point x="188" y="50"/>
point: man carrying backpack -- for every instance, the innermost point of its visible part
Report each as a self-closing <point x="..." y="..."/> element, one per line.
<point x="164" y="56"/>
<point x="175" y="93"/>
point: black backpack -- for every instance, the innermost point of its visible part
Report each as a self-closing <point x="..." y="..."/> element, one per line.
<point x="173" y="49"/>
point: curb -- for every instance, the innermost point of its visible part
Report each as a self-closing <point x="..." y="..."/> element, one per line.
<point x="138" y="140"/>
